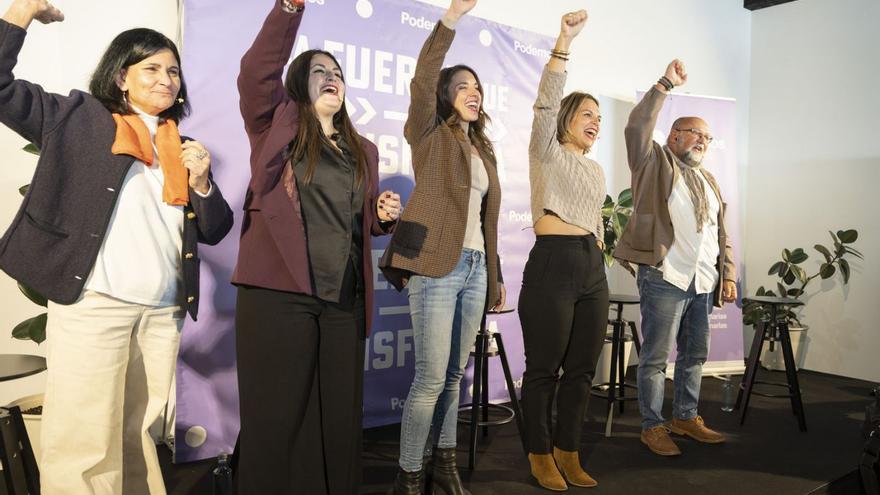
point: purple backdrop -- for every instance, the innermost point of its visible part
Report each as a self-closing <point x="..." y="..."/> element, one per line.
<point x="726" y="346"/>
<point x="377" y="44"/>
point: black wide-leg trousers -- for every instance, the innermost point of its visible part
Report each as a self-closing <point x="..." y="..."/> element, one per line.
<point x="300" y="378"/>
<point x="563" y="311"/>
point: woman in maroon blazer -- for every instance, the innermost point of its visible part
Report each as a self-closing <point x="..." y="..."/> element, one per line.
<point x="304" y="271"/>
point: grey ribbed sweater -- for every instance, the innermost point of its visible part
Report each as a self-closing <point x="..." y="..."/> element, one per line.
<point x="570" y="185"/>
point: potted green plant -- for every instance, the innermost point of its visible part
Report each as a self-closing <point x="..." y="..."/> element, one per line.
<point x="34" y="329"/>
<point x="792" y="280"/>
<point x="615" y="216"/>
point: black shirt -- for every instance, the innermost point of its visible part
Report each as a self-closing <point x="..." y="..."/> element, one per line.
<point x="332" y="206"/>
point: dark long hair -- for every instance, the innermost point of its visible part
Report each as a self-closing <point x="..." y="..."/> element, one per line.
<point x="567" y="111"/>
<point x="127" y="49"/>
<point x="310" y="138"/>
<point x="446" y="111"/>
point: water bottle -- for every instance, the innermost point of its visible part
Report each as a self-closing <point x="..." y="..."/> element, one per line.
<point x="222" y="476"/>
<point x="728" y="394"/>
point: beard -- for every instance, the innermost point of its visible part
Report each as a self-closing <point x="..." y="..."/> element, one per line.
<point x="692" y="159"/>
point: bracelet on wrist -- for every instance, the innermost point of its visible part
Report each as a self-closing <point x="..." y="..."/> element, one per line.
<point x="560" y="57"/>
<point x="666" y="83"/>
<point x="564" y="53"/>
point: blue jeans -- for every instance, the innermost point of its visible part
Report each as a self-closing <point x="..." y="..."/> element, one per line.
<point x="446" y="314"/>
<point x="669" y="313"/>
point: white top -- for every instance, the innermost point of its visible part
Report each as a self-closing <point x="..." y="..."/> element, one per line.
<point x="473" y="232"/>
<point x="139" y="261"/>
<point x="692" y="254"/>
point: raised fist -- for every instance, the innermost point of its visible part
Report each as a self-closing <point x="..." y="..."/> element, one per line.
<point x="573" y="23"/>
<point x="675" y="73"/>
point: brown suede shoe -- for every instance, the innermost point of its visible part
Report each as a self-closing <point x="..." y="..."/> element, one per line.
<point x="657" y="439"/>
<point x="570" y="465"/>
<point x="696" y="429"/>
<point x="545" y="471"/>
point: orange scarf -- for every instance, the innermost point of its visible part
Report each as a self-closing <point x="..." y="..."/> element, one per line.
<point x="133" y="138"/>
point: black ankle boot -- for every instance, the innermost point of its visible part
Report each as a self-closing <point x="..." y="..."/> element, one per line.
<point x="445" y="474"/>
<point x="407" y="483"/>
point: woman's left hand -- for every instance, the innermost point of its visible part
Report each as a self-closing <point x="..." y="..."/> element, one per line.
<point x="388" y="206"/>
<point x="501" y="299"/>
<point x="197" y="160"/>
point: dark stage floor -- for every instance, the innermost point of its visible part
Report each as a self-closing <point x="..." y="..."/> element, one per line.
<point x="769" y="455"/>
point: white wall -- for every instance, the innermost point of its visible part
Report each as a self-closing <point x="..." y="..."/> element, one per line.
<point x="814" y="165"/>
<point x="60" y="57"/>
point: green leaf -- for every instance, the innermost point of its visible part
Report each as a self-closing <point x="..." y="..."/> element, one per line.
<point x="623" y="220"/>
<point x="782" y="290"/>
<point x="776" y="268"/>
<point x="827" y="270"/>
<point x="760" y="291"/>
<point x="625" y="198"/>
<point x="839" y="250"/>
<point x="799" y="256"/>
<point x="31" y="329"/>
<point x="825" y="252"/>
<point x="854" y="252"/>
<point x="795" y="293"/>
<point x="33" y="295"/>
<point x="786" y="255"/>
<point x="848" y="236"/>
<point x="32" y="149"/>
<point x="844" y="269"/>
<point x="800" y="273"/>
<point x="615" y="227"/>
<point x="789" y="276"/>
<point x="24" y="189"/>
<point x="609" y="260"/>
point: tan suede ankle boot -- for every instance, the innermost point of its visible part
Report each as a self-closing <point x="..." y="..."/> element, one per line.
<point x="570" y="465"/>
<point x="545" y="471"/>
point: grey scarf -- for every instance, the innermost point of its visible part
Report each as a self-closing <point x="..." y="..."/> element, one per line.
<point x="691" y="176"/>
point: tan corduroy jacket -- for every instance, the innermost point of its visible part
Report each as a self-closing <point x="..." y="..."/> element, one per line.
<point x="649" y="234"/>
<point x="430" y="233"/>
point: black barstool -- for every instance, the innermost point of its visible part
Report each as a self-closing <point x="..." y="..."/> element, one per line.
<point x="480" y="402"/>
<point x="21" y="475"/>
<point x="614" y="391"/>
<point x="774" y="330"/>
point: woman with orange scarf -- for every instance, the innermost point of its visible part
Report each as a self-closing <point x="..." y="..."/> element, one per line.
<point x="108" y="232"/>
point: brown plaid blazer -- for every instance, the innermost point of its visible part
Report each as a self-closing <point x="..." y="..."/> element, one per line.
<point x="430" y="233"/>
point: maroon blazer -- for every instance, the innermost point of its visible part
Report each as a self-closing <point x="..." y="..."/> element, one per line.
<point x="273" y="251"/>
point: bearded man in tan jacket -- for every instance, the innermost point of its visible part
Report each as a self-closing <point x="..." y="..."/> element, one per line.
<point x="677" y="237"/>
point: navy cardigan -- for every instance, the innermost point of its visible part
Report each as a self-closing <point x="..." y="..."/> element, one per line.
<point x="54" y="239"/>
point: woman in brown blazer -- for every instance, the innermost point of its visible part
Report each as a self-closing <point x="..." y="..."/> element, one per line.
<point x="444" y="250"/>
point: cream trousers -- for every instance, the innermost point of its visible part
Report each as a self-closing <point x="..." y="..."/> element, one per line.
<point x="110" y="368"/>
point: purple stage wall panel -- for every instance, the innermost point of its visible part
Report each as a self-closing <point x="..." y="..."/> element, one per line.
<point x="377" y="44"/>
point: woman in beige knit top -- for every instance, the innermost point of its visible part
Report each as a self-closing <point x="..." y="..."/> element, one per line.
<point x="563" y="305"/>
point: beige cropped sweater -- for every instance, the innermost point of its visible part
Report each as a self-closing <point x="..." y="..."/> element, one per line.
<point x="568" y="184"/>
